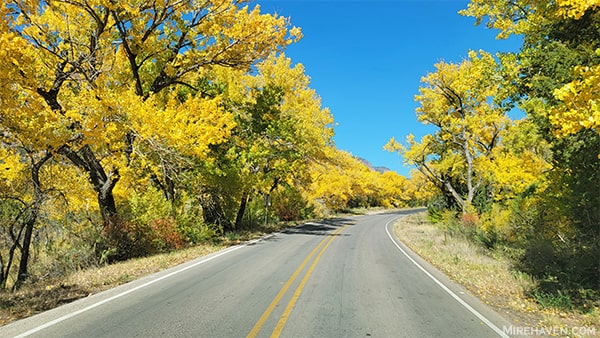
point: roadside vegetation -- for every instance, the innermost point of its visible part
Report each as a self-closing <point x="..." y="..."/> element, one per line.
<point x="135" y="129"/>
<point x="130" y="129"/>
<point x="490" y="274"/>
<point x="514" y="157"/>
<point x="42" y="292"/>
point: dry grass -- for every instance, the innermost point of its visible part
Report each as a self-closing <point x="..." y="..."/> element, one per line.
<point x="490" y="278"/>
<point x="120" y="273"/>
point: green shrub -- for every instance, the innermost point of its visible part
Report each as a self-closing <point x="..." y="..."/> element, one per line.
<point x="193" y="229"/>
<point x="149" y="205"/>
<point x="558" y="300"/>
<point x="147" y="228"/>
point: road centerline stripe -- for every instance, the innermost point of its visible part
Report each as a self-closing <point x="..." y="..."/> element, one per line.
<point x="288" y="309"/>
<point x="263" y="318"/>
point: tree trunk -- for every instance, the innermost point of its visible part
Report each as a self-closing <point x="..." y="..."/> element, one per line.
<point x="213" y="212"/>
<point x="242" y="209"/>
<point x="2" y="278"/>
<point x="169" y="190"/>
<point x="471" y="187"/>
<point x="103" y="182"/>
<point x="11" y="255"/>
<point x="459" y="200"/>
<point x="444" y="184"/>
<point x="168" y="185"/>
<point x="108" y="207"/>
<point x="38" y="196"/>
<point x="24" y="262"/>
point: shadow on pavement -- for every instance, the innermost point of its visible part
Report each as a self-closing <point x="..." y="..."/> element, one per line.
<point x="325" y="227"/>
<point x="403" y="211"/>
<point x="321" y="228"/>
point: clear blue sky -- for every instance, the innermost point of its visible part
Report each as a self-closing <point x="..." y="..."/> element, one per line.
<point x="366" y="58"/>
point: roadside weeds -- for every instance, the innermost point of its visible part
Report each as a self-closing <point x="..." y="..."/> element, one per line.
<point x="45" y="294"/>
<point x="489" y="278"/>
<point x="486" y="275"/>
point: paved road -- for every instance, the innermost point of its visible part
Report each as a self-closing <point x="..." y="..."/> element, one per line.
<point x="340" y="278"/>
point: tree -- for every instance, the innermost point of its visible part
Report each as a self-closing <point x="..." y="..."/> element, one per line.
<point x="21" y="192"/>
<point x="557" y="88"/>
<point x="21" y="198"/>
<point x="564" y="33"/>
<point x="111" y="74"/>
<point x="280" y="128"/>
<point x="466" y="103"/>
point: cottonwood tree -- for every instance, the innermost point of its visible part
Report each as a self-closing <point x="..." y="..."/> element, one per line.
<point x="21" y="191"/>
<point x="560" y="55"/>
<point x="108" y="74"/>
<point x="465" y="102"/>
<point x="280" y="129"/>
<point x="558" y="89"/>
<point x="21" y="200"/>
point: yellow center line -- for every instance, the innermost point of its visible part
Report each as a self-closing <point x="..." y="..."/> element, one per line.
<point x="288" y="309"/>
<point x="263" y="318"/>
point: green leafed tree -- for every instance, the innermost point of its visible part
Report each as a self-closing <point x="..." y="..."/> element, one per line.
<point x="280" y="128"/>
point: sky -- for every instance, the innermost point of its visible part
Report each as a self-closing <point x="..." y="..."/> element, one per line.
<point x="365" y="59"/>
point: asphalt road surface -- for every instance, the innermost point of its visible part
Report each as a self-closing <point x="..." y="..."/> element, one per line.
<point x="347" y="277"/>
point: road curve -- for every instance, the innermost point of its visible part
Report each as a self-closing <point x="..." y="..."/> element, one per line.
<point x="347" y="277"/>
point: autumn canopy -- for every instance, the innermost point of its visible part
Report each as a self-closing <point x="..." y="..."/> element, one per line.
<point x="132" y="127"/>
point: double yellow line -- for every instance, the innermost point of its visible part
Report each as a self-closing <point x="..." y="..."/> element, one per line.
<point x="323" y="245"/>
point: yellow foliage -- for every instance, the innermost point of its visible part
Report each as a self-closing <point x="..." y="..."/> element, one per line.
<point x="510" y="17"/>
<point x="575" y="8"/>
<point x="115" y="78"/>
<point x="12" y="168"/>
<point x="580" y="102"/>
<point x="190" y="127"/>
<point x="419" y="189"/>
<point x="393" y="189"/>
<point x="497" y="221"/>
<point x="331" y="180"/>
<point x="75" y="194"/>
<point x="342" y="178"/>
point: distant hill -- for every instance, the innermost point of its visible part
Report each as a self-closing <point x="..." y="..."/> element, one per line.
<point x="370" y="166"/>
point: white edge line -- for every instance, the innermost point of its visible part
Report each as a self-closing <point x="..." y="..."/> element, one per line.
<point x="445" y="288"/>
<point x="110" y="299"/>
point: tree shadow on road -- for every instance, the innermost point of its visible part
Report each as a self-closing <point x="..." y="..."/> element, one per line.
<point x="320" y="228"/>
<point x="403" y="211"/>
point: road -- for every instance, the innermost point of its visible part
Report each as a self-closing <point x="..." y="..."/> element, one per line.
<point x="346" y="277"/>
